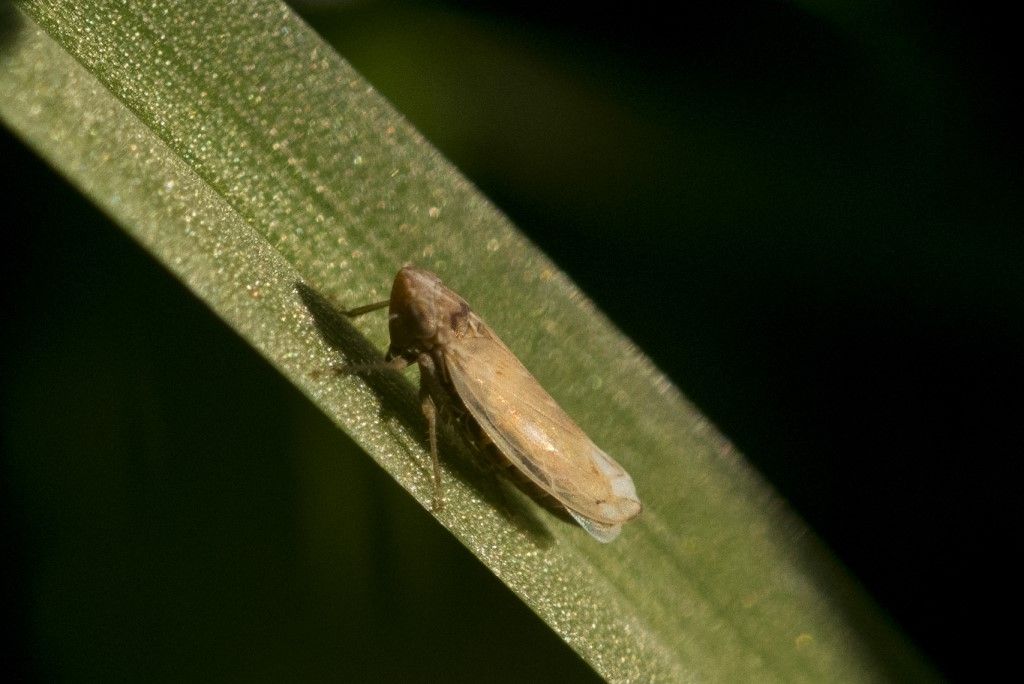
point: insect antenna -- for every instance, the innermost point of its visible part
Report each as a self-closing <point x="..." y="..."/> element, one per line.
<point x="366" y="308"/>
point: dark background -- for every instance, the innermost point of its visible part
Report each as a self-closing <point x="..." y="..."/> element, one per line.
<point x="807" y="215"/>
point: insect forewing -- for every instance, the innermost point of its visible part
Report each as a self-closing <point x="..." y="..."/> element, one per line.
<point x="536" y="435"/>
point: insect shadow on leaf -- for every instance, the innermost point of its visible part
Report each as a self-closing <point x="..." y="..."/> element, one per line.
<point x="11" y="22"/>
<point x="473" y="464"/>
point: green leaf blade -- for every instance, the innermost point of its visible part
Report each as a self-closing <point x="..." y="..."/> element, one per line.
<point x="256" y="165"/>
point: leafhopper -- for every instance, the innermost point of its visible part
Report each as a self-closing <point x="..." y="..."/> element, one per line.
<point x="466" y="370"/>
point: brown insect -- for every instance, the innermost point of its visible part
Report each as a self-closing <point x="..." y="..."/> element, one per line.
<point x="464" y="367"/>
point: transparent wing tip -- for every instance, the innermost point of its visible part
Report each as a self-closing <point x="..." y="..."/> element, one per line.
<point x="600" y="532"/>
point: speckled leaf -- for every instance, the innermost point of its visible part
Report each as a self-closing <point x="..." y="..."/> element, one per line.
<point x="254" y="163"/>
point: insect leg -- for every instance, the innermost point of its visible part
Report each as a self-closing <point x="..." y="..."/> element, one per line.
<point x="430" y="412"/>
<point x="396" y="364"/>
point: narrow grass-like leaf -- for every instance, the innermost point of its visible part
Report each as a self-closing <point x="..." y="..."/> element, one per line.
<point x="276" y="184"/>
